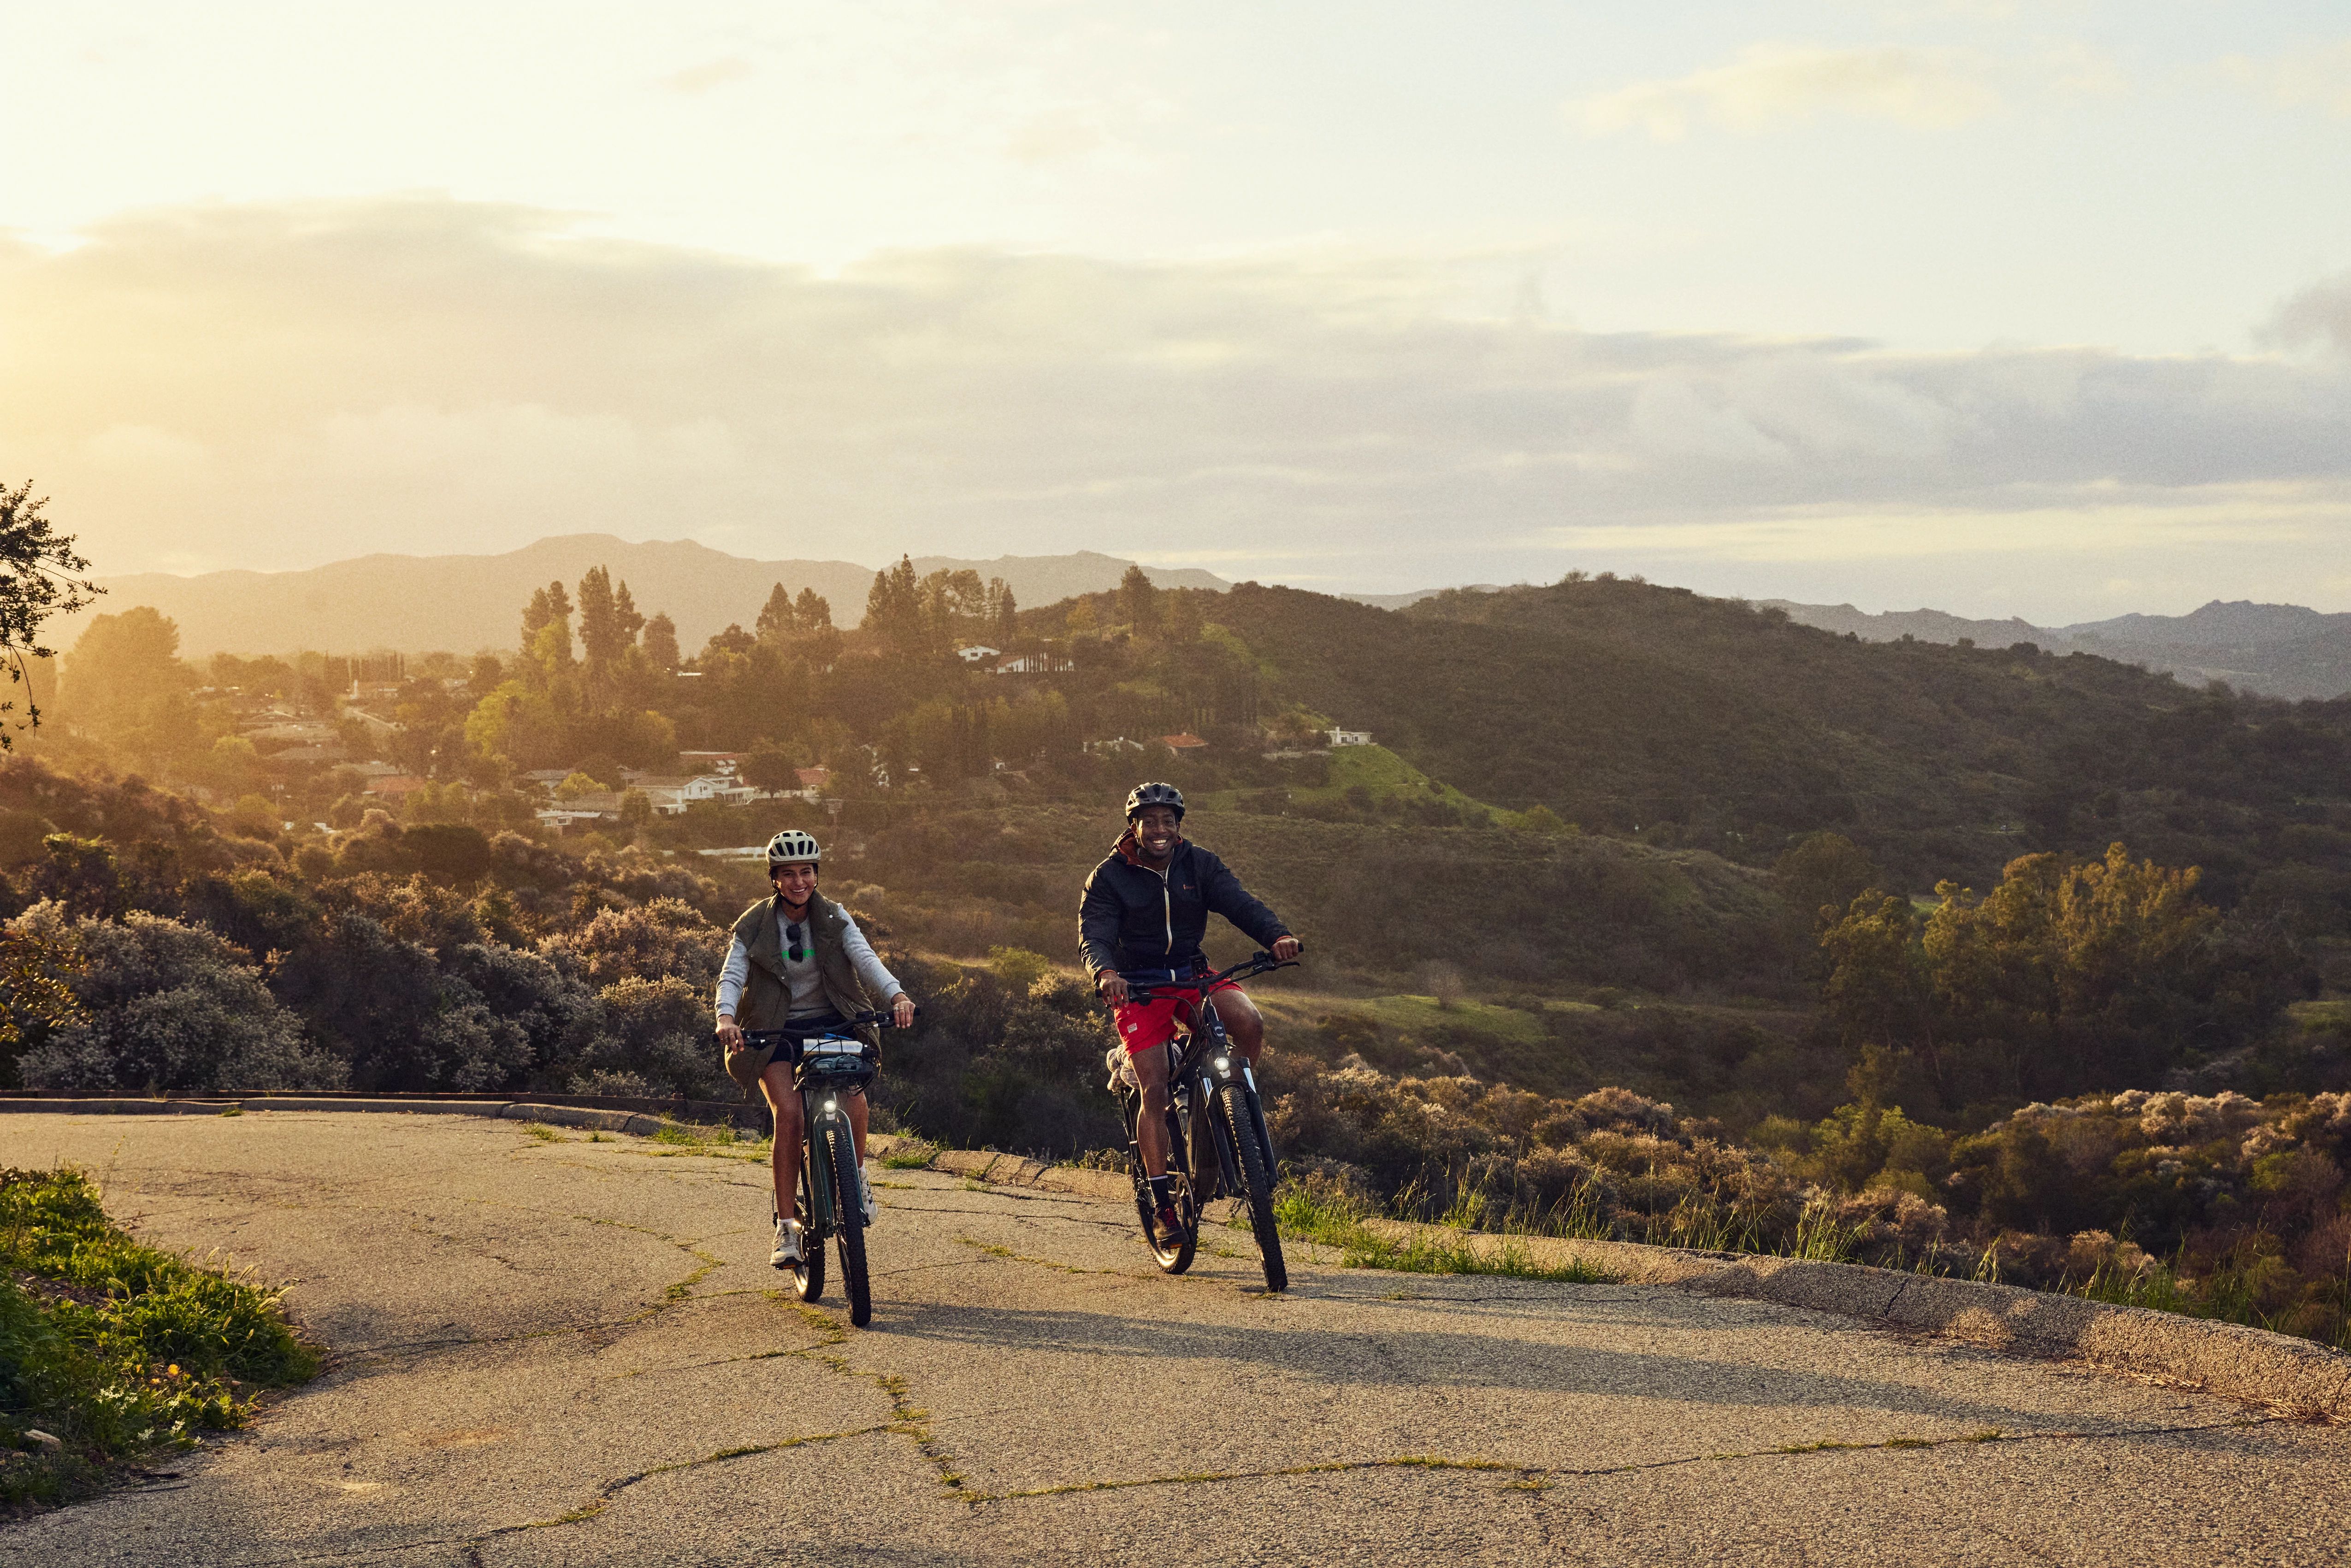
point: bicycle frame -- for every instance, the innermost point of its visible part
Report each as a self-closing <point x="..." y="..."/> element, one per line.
<point x="825" y="1078"/>
<point x="1207" y="1062"/>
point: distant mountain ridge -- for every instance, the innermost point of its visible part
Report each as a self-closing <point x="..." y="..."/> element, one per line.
<point x="2278" y="650"/>
<point x="414" y="604"/>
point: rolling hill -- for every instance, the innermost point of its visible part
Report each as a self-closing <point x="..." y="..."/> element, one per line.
<point x="416" y="603"/>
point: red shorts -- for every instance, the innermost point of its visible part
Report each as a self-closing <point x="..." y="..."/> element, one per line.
<point x="1143" y="1024"/>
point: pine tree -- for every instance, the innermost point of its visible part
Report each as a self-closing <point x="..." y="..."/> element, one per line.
<point x="1140" y="600"/>
<point x="813" y="611"/>
<point x="777" y="620"/>
<point x="660" y="642"/>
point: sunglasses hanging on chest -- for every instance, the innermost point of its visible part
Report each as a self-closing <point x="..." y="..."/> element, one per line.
<point x="795" y="948"/>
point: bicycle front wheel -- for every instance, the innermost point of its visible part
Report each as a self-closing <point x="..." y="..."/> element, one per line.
<point x="850" y="1227"/>
<point x="1256" y="1181"/>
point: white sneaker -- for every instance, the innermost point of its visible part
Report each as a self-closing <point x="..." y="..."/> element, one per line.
<point x="865" y="1192"/>
<point x="788" y="1244"/>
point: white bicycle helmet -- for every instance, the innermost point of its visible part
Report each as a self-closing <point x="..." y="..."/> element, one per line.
<point x="792" y="846"/>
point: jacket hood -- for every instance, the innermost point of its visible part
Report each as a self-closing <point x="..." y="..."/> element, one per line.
<point x="1127" y="850"/>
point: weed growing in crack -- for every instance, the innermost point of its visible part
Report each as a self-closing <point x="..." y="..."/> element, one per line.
<point x="542" y="1132"/>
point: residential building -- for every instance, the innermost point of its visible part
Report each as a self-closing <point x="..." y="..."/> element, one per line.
<point x="1349" y="737"/>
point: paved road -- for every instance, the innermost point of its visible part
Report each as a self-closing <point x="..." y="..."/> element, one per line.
<point x="573" y="1352"/>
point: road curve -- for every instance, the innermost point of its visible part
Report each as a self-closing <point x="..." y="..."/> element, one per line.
<point x="553" y="1349"/>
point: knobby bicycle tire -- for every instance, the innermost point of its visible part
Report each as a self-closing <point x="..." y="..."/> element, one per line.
<point x="1257" y="1179"/>
<point x="850" y="1223"/>
<point x="807" y="1274"/>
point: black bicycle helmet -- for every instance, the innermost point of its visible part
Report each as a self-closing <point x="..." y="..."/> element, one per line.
<point x="1144" y="795"/>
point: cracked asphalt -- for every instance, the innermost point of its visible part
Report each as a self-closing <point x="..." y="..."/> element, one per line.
<point x="570" y="1351"/>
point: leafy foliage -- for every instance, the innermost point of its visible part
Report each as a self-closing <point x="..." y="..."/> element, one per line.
<point x="112" y="1346"/>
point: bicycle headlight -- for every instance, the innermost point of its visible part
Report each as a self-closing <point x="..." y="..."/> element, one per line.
<point x="1224" y="1064"/>
<point x="832" y="1104"/>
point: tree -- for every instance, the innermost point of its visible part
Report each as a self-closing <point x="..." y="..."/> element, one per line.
<point x="770" y="768"/>
<point x="1082" y="621"/>
<point x="734" y="640"/>
<point x="777" y="619"/>
<point x="1003" y="611"/>
<point x="125" y="687"/>
<point x="1139" y="600"/>
<point x="1183" y="617"/>
<point x="660" y="642"/>
<point x="37" y="579"/>
<point x="608" y="629"/>
<point x="636" y="809"/>
<point x="548" y="606"/>
<point x="813" y="611"/>
<point x="895" y="611"/>
<point x="1876" y="989"/>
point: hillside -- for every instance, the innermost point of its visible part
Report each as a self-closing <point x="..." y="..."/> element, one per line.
<point x="1705" y="722"/>
<point x="2277" y="650"/>
<point x="414" y="604"/>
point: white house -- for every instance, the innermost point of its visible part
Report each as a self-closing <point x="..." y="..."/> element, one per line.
<point x="1349" y="737"/>
<point x="975" y="654"/>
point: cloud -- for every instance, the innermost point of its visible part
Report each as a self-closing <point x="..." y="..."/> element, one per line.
<point x="1776" y="84"/>
<point x="2314" y="76"/>
<point x="696" y="80"/>
<point x="2319" y="314"/>
<point x="278" y="386"/>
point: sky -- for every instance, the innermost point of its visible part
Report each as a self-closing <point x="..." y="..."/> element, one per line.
<point x="2006" y="308"/>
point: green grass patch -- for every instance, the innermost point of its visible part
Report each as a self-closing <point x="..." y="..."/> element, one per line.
<point x="113" y="1347"/>
<point x="1317" y="1217"/>
<point x="1410" y="1014"/>
<point x="693" y="1135"/>
<point x="911" y="1157"/>
<point x="1383" y="776"/>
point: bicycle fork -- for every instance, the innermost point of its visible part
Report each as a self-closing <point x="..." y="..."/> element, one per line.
<point x="820" y="1113"/>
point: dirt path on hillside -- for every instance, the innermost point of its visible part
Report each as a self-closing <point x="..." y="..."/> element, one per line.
<point x="574" y="1352"/>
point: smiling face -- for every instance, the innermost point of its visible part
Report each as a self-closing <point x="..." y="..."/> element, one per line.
<point x="796" y="880"/>
<point x="1156" y="832"/>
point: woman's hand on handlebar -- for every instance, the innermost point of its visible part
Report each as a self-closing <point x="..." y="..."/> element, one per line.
<point x="902" y="1011"/>
<point x="730" y="1036"/>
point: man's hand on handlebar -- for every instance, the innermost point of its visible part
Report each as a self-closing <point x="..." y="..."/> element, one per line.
<point x="1288" y="947"/>
<point x="1110" y="986"/>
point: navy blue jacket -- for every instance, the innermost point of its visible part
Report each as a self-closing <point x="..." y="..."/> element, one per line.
<point x="1136" y="921"/>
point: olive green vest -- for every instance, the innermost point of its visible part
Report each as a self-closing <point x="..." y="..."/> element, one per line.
<point x="767" y="996"/>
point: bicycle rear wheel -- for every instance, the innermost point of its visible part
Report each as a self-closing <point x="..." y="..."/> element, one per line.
<point x="1256" y="1180"/>
<point x="849" y="1221"/>
<point x="1173" y="1254"/>
<point x="807" y="1274"/>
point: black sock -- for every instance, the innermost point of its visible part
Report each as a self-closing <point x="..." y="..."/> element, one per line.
<point x="1161" y="1195"/>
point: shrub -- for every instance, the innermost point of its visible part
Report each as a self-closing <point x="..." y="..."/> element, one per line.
<point x="665" y="938"/>
<point x="169" y="1006"/>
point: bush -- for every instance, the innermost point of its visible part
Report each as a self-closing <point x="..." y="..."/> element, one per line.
<point x="169" y="1007"/>
<point x="663" y="939"/>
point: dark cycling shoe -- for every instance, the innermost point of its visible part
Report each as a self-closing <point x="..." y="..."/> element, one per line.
<point x="1171" y="1224"/>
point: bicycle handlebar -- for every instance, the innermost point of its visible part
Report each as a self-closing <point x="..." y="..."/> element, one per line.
<point x="1257" y="963"/>
<point x="882" y="1018"/>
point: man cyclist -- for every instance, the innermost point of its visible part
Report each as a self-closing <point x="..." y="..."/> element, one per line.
<point x="798" y="960"/>
<point x="1145" y="909"/>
